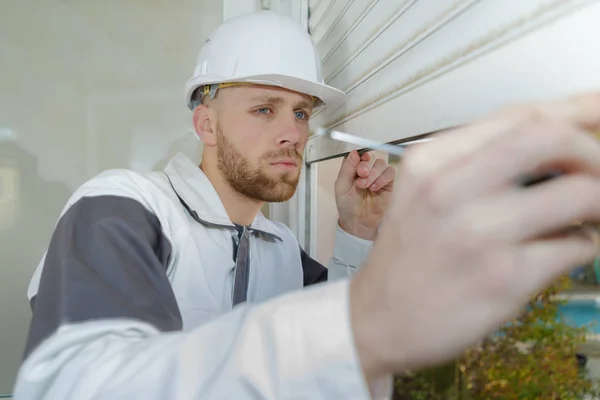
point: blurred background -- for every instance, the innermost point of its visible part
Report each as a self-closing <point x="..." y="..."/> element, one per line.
<point x="84" y="86"/>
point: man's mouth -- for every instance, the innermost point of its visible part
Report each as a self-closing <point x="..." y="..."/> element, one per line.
<point x="286" y="161"/>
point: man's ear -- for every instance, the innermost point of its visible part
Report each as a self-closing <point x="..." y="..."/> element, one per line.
<point x="204" y="123"/>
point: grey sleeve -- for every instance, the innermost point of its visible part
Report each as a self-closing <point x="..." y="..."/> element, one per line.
<point x="107" y="259"/>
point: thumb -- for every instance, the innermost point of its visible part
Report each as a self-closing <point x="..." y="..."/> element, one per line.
<point x="347" y="174"/>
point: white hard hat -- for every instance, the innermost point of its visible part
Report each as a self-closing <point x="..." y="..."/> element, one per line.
<point x="261" y="48"/>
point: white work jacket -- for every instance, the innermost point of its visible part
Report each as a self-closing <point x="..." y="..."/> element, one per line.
<point x="133" y="300"/>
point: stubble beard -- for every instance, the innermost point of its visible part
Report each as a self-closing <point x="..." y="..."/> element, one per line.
<point x="253" y="182"/>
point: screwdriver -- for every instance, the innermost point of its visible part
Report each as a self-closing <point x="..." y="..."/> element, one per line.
<point x="395" y="149"/>
<point x="399" y="150"/>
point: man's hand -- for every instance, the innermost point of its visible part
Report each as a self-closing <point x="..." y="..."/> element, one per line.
<point x="463" y="246"/>
<point x="363" y="191"/>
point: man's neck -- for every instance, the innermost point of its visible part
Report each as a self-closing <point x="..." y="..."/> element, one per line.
<point x="240" y="209"/>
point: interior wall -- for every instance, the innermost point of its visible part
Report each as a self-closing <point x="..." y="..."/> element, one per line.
<point x="84" y="86"/>
<point x="326" y="209"/>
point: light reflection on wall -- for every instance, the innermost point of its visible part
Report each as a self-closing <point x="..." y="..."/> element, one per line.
<point x="9" y="196"/>
<point x="9" y="186"/>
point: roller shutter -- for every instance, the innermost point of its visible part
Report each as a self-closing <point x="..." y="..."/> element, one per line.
<point x="411" y="67"/>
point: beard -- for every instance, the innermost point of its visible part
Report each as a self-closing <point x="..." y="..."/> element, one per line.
<point x="253" y="182"/>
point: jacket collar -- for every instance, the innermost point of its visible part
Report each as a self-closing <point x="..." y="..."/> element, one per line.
<point x="199" y="197"/>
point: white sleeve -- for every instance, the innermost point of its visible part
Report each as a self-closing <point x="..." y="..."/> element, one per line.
<point x="298" y="346"/>
<point x="349" y="254"/>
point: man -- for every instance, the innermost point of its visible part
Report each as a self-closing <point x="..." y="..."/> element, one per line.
<point x="131" y="301"/>
<point x="179" y="248"/>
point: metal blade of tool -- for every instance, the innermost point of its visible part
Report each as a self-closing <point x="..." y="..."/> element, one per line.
<point x="368" y="144"/>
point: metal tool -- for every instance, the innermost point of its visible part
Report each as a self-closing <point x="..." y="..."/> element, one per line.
<point x="399" y="149"/>
<point x="396" y="149"/>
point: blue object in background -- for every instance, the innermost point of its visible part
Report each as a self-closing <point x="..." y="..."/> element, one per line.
<point x="578" y="273"/>
<point x="581" y="313"/>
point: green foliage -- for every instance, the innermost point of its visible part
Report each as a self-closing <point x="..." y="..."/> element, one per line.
<point x="531" y="357"/>
<point x="433" y="384"/>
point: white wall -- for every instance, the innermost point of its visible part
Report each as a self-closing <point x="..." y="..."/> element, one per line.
<point x="84" y="86"/>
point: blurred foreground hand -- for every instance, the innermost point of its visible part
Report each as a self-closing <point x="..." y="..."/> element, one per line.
<point x="463" y="247"/>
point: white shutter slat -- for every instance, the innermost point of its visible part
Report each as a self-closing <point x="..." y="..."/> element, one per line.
<point x="440" y="66"/>
<point x="329" y="22"/>
<point x="444" y="38"/>
<point x="385" y="29"/>
<point x="337" y="34"/>
<point x="312" y="4"/>
<point x="319" y="12"/>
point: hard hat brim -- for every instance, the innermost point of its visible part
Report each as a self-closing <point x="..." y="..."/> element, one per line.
<point x="329" y="95"/>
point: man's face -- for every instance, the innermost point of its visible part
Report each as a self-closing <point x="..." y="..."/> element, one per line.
<point x="261" y="135"/>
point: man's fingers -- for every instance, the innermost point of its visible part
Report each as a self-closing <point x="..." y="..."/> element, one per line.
<point x="384" y="180"/>
<point x="373" y="172"/>
<point x="529" y="149"/>
<point x="581" y="110"/>
<point x="538" y="146"/>
<point x="542" y="210"/>
<point x="361" y="169"/>
<point x="367" y="156"/>
<point x="347" y="174"/>
<point x="450" y="147"/>
<point x="364" y="166"/>
<point x="545" y="260"/>
<point x="555" y="205"/>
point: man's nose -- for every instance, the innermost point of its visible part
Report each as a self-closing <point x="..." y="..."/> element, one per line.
<point x="292" y="133"/>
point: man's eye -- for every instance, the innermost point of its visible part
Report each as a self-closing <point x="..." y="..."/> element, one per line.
<point x="301" y="115"/>
<point x="263" y="110"/>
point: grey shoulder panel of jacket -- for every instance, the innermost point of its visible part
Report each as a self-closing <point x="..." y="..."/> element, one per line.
<point x="107" y="259"/>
